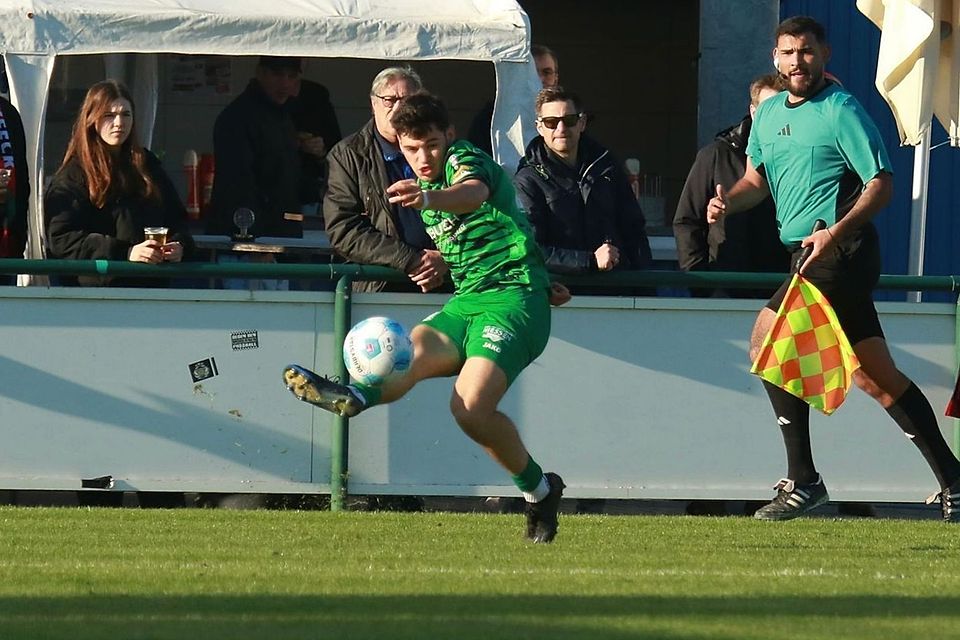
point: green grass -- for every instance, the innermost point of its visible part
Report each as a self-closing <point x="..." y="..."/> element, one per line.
<point x="184" y="574"/>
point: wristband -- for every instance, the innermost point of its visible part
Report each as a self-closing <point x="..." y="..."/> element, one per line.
<point x="426" y="199"/>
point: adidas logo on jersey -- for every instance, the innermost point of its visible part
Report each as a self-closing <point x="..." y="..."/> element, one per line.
<point x="785" y="131"/>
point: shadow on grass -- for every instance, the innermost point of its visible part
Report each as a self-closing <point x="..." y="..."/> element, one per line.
<point x="466" y="617"/>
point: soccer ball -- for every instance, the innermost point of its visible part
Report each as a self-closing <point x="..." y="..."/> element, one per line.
<point x="377" y="349"/>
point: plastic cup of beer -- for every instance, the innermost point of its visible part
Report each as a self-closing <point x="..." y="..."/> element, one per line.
<point x="156" y="233"/>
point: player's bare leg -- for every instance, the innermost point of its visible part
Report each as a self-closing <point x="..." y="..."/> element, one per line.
<point x="434" y="356"/>
<point x="476" y="395"/>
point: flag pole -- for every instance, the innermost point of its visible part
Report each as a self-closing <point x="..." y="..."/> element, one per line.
<point x="918" y="209"/>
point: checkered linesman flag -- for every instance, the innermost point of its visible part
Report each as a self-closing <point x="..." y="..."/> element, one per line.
<point x="806" y="353"/>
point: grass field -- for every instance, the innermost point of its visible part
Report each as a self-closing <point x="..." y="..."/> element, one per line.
<point x="211" y="574"/>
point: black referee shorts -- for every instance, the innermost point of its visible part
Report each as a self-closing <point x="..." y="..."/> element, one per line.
<point x="846" y="277"/>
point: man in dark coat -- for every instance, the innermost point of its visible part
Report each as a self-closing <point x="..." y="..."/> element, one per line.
<point x="256" y="149"/>
<point x="362" y="224"/>
<point x="576" y="195"/>
<point x="749" y="241"/>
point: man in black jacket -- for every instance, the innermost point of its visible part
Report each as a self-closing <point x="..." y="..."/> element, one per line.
<point x="362" y="224"/>
<point x="748" y="241"/>
<point x="256" y="149"/>
<point x="583" y="212"/>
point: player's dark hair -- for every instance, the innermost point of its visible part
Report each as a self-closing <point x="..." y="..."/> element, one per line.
<point x="799" y="25"/>
<point x="416" y="114"/>
<point x="557" y="94"/>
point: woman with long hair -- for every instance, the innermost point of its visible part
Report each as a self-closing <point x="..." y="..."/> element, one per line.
<point x="108" y="190"/>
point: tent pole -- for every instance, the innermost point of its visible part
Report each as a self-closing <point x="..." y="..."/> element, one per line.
<point x="918" y="210"/>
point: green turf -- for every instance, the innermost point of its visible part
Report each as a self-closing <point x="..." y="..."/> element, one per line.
<point x="184" y="574"/>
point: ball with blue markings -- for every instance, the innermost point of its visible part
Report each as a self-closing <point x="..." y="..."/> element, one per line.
<point x="377" y="349"/>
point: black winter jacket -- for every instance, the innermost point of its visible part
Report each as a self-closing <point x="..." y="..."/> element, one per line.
<point x="78" y="230"/>
<point x="17" y="227"/>
<point x="258" y="166"/>
<point x="745" y="241"/>
<point x="575" y="210"/>
<point x="359" y="219"/>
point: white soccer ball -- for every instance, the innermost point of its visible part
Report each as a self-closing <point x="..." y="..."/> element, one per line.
<point x="377" y="349"/>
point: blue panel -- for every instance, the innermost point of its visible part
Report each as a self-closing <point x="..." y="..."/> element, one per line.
<point x="855" y="42"/>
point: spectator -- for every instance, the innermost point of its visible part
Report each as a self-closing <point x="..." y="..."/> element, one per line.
<point x="749" y="241"/>
<point x="548" y="70"/>
<point x="317" y="132"/>
<point x="108" y="189"/>
<point x="583" y="211"/>
<point x="14" y="186"/>
<point x="256" y="150"/>
<point x="364" y="227"/>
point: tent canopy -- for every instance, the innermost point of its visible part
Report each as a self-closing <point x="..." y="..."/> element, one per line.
<point x="35" y="32"/>
<point x="492" y="30"/>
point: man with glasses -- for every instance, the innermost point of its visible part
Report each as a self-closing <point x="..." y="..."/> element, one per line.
<point x="363" y="226"/>
<point x="577" y="197"/>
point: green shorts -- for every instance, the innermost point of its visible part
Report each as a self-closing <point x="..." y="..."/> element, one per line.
<point x="509" y="327"/>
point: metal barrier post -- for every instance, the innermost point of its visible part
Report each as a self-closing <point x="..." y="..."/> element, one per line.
<point x="340" y="434"/>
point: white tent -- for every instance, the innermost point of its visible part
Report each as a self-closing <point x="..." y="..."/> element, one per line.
<point x="35" y="32"/>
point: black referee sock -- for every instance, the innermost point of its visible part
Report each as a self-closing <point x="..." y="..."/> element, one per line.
<point x="793" y="416"/>
<point x="913" y="413"/>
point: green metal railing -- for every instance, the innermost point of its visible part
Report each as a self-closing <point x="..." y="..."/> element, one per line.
<point x="345" y="274"/>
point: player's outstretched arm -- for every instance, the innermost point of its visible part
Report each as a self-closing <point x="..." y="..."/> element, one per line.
<point x="464" y="197"/>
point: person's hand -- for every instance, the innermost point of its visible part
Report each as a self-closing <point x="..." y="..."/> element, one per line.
<point x="406" y="193"/>
<point x="172" y="252"/>
<point x="559" y="294"/>
<point x="607" y="257"/>
<point x="313" y="145"/>
<point x="717" y="207"/>
<point x="148" y="251"/>
<point x="429" y="272"/>
<point x="820" y="241"/>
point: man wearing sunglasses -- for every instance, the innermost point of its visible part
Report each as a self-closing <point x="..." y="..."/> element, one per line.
<point x="577" y="197"/>
<point x="363" y="226"/>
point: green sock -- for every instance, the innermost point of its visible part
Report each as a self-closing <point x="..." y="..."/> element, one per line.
<point x="529" y="479"/>
<point x="370" y="395"/>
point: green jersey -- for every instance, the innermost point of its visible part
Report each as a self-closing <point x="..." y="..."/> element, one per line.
<point x="492" y="248"/>
<point x="817" y="155"/>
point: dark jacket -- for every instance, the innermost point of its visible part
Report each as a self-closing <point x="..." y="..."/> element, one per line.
<point x="744" y="241"/>
<point x="360" y="221"/>
<point x="16" y="152"/>
<point x="258" y="166"/>
<point x="78" y="230"/>
<point x="313" y="113"/>
<point x="575" y="210"/>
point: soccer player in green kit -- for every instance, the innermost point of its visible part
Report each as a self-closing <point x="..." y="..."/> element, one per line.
<point x="498" y="321"/>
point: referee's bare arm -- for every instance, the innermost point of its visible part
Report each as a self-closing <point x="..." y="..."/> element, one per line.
<point x="876" y="195"/>
<point x="748" y="192"/>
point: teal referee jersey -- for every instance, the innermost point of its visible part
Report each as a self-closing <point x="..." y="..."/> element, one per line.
<point x="816" y="155"/>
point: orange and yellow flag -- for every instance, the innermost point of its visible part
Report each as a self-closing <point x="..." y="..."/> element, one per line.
<point x="806" y="352"/>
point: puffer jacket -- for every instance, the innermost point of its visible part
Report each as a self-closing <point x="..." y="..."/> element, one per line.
<point x="575" y="210"/>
